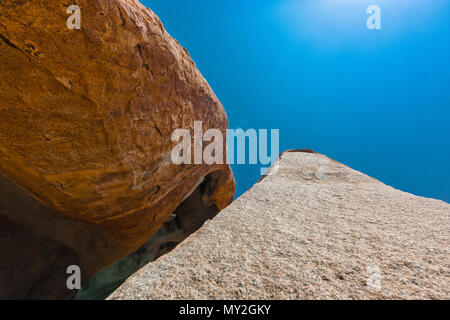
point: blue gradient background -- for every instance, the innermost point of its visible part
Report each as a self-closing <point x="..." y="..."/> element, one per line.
<point x="376" y="100"/>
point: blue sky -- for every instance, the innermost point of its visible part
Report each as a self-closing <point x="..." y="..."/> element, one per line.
<point x="375" y="100"/>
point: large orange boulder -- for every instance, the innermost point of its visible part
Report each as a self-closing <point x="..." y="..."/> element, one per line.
<point x="87" y="115"/>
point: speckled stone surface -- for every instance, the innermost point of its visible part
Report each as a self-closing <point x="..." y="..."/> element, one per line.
<point x="315" y="230"/>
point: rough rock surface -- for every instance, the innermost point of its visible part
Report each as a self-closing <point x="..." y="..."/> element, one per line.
<point x="315" y="230"/>
<point x="85" y="139"/>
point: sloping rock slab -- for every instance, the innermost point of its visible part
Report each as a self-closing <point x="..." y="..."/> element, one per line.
<point x="315" y="230"/>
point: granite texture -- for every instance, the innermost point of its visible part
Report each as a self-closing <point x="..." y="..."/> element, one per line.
<point x="316" y="229"/>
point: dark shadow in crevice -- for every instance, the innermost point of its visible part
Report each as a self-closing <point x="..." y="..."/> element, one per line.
<point x="190" y="215"/>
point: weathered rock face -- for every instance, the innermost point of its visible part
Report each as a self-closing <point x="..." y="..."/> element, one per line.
<point x="314" y="230"/>
<point x="85" y="139"/>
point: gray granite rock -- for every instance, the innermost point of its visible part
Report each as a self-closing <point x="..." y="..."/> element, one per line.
<point x="316" y="229"/>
